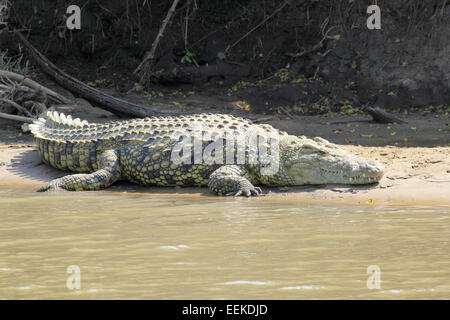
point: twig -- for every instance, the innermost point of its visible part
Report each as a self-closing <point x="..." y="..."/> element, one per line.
<point x="315" y="73"/>
<point x="325" y="53"/>
<point x="259" y="120"/>
<point x="186" y="25"/>
<point x="56" y="97"/>
<point x="151" y="55"/>
<point x="18" y="107"/>
<point x="287" y="113"/>
<point x="444" y="3"/>
<point x="257" y="26"/>
<point x="16" y="118"/>
<point x="105" y="9"/>
<point x="226" y="26"/>
<point x="317" y="46"/>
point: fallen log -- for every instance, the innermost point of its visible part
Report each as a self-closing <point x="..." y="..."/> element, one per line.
<point x="382" y="116"/>
<point x="102" y="100"/>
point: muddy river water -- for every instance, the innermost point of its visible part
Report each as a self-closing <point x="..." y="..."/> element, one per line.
<point x="103" y="245"/>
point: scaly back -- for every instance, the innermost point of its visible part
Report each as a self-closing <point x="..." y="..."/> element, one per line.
<point x="61" y="128"/>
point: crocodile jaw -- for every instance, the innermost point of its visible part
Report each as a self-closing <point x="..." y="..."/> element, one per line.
<point x="355" y="172"/>
<point x="321" y="162"/>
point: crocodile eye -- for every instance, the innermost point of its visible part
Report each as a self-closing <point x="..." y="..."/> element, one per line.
<point x="308" y="149"/>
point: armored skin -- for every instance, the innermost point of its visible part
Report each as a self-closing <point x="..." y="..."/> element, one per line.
<point x="230" y="155"/>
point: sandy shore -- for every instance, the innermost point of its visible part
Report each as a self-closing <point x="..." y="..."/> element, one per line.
<point x="417" y="161"/>
<point x="413" y="176"/>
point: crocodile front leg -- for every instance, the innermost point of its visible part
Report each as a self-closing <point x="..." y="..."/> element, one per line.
<point x="230" y="180"/>
<point x="108" y="172"/>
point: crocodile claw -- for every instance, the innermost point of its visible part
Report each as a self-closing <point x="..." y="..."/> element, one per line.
<point x="52" y="186"/>
<point x="248" y="192"/>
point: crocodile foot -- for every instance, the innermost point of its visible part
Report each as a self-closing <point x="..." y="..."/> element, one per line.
<point x="55" y="185"/>
<point x="247" y="191"/>
<point x="106" y="175"/>
<point x="230" y="180"/>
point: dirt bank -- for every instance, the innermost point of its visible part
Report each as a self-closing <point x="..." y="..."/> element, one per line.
<point x="310" y="57"/>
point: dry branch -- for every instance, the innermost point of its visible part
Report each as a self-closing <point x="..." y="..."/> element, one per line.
<point x="24" y="99"/>
<point x="55" y="97"/>
<point x="318" y="45"/>
<point x="16" y="118"/>
<point x="17" y="106"/>
<point x="151" y="55"/>
<point x="105" y="101"/>
<point x="258" y="25"/>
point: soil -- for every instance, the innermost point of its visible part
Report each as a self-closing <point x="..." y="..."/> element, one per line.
<point x="403" y="65"/>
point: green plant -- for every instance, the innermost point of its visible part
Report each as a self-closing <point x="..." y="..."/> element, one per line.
<point x="239" y="85"/>
<point x="321" y="108"/>
<point x="177" y="104"/>
<point x="349" y="110"/>
<point x="301" y="79"/>
<point x="189" y="57"/>
<point x="282" y="74"/>
<point x="100" y="81"/>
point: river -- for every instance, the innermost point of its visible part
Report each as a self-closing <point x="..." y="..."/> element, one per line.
<point x="110" y="245"/>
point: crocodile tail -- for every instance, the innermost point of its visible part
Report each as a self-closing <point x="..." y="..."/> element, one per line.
<point x="37" y="128"/>
<point x="55" y="120"/>
<point x="60" y="120"/>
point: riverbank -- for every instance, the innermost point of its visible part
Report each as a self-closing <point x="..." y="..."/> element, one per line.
<point x="414" y="175"/>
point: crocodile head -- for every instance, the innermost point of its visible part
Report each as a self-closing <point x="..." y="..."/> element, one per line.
<point x="317" y="161"/>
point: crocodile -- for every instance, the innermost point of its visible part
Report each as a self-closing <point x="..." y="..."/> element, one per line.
<point x="230" y="155"/>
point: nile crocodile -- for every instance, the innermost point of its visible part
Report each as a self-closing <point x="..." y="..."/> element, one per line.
<point x="230" y="155"/>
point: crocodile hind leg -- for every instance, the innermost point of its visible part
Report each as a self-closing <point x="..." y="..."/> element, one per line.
<point x="108" y="172"/>
<point x="230" y="180"/>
